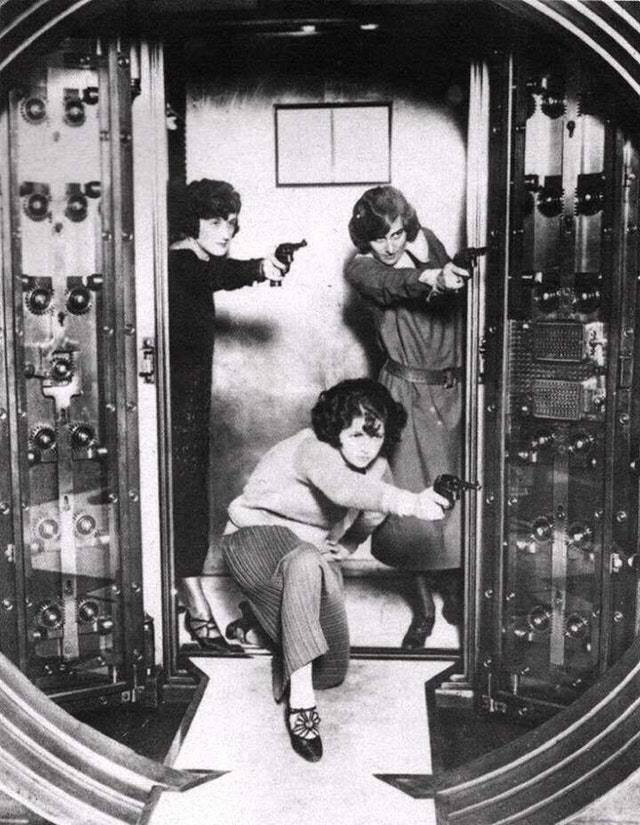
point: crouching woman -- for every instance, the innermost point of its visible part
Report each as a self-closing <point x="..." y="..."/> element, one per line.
<point x="312" y="499"/>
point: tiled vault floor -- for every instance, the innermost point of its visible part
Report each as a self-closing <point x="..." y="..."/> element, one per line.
<point x="375" y="723"/>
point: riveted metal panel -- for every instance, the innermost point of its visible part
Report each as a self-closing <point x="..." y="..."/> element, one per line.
<point x="560" y="598"/>
<point x="72" y="407"/>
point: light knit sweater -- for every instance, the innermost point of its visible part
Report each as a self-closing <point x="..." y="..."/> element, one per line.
<point x="304" y="484"/>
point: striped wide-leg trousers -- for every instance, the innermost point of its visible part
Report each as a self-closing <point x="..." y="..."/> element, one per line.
<point x="297" y="596"/>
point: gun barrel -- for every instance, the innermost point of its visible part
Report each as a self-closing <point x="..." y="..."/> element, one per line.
<point x="290" y="248"/>
<point x="471" y="485"/>
<point x="285" y="251"/>
<point x="452" y="487"/>
<point x="469" y="256"/>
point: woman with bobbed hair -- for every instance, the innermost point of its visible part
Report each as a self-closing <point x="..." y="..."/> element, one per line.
<point x="371" y="215"/>
<point x="201" y="199"/>
<point x="405" y="275"/>
<point x="310" y="501"/>
<point x="203" y="218"/>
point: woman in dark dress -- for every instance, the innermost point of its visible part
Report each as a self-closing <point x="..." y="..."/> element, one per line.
<point x="413" y="288"/>
<point x="204" y="218"/>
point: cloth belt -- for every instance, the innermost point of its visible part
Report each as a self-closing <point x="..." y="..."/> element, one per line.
<point x="448" y="377"/>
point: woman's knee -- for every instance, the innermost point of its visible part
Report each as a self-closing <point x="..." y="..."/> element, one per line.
<point x="302" y="561"/>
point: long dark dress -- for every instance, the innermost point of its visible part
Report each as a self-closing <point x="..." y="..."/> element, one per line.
<point x="192" y="283"/>
<point x="419" y="338"/>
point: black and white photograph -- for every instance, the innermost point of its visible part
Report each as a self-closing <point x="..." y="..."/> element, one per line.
<point x="319" y="412"/>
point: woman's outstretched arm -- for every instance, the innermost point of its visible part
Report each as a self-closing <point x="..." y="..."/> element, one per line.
<point x="323" y="466"/>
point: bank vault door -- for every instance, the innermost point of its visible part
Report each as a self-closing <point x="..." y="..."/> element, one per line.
<point x="558" y="586"/>
<point x="71" y="608"/>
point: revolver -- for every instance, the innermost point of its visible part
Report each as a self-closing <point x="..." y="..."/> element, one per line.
<point x="452" y="487"/>
<point x="468" y="257"/>
<point x="284" y="253"/>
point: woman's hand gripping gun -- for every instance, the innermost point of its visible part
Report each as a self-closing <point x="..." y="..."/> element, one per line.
<point x="284" y="253"/>
<point x="452" y="487"/>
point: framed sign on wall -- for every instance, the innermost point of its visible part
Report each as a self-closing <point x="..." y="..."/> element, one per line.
<point x="328" y="144"/>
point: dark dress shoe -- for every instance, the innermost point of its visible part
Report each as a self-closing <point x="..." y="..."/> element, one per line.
<point x="205" y="633"/>
<point x="419" y="629"/>
<point x="301" y="722"/>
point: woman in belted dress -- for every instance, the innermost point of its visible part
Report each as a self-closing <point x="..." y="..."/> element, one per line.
<point x="413" y="288"/>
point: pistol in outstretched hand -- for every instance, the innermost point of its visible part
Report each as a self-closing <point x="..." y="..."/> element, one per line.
<point x="467" y="258"/>
<point x="452" y="487"/>
<point x="284" y="252"/>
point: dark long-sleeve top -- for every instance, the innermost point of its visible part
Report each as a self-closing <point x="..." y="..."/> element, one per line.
<point x="192" y="283"/>
<point x="412" y="330"/>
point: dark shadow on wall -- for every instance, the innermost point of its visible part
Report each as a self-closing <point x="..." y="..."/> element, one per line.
<point x="247" y="421"/>
<point x="238" y="444"/>
<point x="247" y="333"/>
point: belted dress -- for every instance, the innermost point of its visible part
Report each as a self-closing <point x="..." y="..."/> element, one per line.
<point x="421" y="332"/>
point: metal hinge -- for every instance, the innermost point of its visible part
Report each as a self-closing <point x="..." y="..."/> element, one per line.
<point x="615" y="563"/>
<point x="148" y="368"/>
<point x="493" y="705"/>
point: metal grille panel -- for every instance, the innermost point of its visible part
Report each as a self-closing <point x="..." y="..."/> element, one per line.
<point x="558" y="342"/>
<point x="557" y="399"/>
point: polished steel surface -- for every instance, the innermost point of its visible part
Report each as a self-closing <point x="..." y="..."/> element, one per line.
<point x="64" y="770"/>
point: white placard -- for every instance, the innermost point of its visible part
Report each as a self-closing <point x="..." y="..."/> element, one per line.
<point x="333" y="144"/>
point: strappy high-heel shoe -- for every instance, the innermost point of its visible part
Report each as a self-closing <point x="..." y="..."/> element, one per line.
<point x="303" y="726"/>
<point x="205" y="633"/>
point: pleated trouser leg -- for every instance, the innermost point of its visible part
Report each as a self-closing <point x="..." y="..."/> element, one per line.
<point x="298" y="599"/>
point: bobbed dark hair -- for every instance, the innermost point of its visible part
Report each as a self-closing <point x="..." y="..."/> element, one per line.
<point x="200" y="199"/>
<point x="336" y="408"/>
<point x="375" y="211"/>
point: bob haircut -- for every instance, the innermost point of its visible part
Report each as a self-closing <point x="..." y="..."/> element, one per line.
<point x="200" y="199"/>
<point x="338" y="406"/>
<point x="374" y="213"/>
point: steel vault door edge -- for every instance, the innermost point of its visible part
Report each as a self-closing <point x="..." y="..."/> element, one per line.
<point x="557" y="560"/>
<point x="71" y="615"/>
